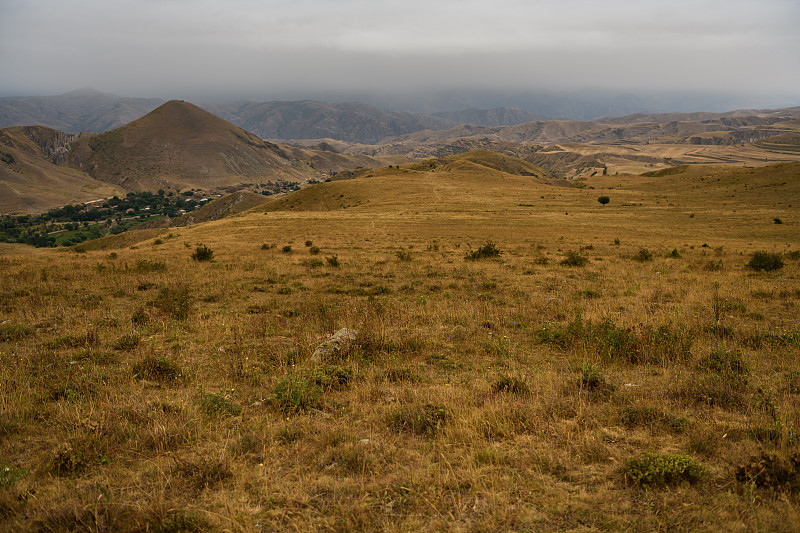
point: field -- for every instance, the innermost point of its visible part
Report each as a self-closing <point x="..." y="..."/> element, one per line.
<point x="526" y="359"/>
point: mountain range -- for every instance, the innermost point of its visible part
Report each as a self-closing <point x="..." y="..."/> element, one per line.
<point x="88" y="110"/>
<point x="179" y="146"/>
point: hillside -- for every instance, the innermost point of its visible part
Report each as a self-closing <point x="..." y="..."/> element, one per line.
<point x="32" y="181"/>
<point x="179" y="145"/>
<point x="447" y="184"/>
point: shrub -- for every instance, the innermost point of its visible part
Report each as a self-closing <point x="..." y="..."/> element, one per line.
<point x="156" y="369"/>
<point x="314" y="250"/>
<point x="420" y="419"/>
<point x="643" y="255"/>
<point x="287" y="249"/>
<point x="220" y="403"/>
<point x="14" y="332"/>
<point x="769" y="471"/>
<point x="297" y="392"/>
<point x="765" y="261"/>
<point x="127" y="343"/>
<point x="173" y="301"/>
<point x="661" y="469"/>
<point x="308" y="244"/>
<point x="777" y="220"/>
<point x="9" y="475"/>
<point x="728" y="364"/>
<point x="674" y="254"/>
<point x="511" y="385"/>
<point x="202" y="253"/>
<point x="604" y="200"/>
<point x="403" y="255"/>
<point x="333" y="260"/>
<point x="487" y="251"/>
<point x="593" y="380"/>
<point x="574" y="259"/>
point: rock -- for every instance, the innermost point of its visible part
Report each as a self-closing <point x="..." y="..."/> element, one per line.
<point x="338" y="343"/>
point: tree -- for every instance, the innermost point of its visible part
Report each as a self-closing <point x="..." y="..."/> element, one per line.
<point x="604" y="200"/>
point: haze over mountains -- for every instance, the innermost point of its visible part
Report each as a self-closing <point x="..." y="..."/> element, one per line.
<point x="89" y="110"/>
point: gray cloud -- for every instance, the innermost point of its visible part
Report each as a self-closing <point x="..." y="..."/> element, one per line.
<point x="197" y="48"/>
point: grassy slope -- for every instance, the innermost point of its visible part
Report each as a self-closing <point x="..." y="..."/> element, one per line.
<point x="422" y="435"/>
<point x="32" y="184"/>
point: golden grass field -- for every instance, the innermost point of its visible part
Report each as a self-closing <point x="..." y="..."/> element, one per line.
<point x="142" y="390"/>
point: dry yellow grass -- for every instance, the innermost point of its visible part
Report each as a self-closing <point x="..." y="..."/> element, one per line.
<point x="145" y="391"/>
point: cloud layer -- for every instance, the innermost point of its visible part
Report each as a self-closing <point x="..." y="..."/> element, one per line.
<point x="239" y="48"/>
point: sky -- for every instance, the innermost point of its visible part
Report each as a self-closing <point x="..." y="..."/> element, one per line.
<point x="264" y="49"/>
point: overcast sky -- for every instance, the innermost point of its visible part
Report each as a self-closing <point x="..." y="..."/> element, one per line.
<point x="224" y="49"/>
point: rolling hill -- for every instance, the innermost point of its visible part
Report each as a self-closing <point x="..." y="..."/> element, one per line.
<point x="180" y="145"/>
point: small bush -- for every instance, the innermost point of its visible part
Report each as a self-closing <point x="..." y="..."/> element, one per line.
<point x="297" y="392"/>
<point x="314" y="250"/>
<point x="203" y="253"/>
<point x="14" y="332"/>
<point x="769" y="471"/>
<point x="67" y="461"/>
<point x="728" y="364"/>
<point x="660" y="469"/>
<point x="765" y="261"/>
<point x="333" y="260"/>
<point x="511" y="385"/>
<point x="777" y="220"/>
<point x="643" y="255"/>
<point x="220" y="403"/>
<point x="287" y="249"/>
<point x="173" y="301"/>
<point x="574" y="259"/>
<point x="156" y="369"/>
<point x="487" y="251"/>
<point x="604" y="200"/>
<point x="674" y="254"/>
<point x="308" y="244"/>
<point x="9" y="475"/>
<point x="403" y="255"/>
<point x="593" y="380"/>
<point x="127" y="343"/>
<point x="419" y="419"/>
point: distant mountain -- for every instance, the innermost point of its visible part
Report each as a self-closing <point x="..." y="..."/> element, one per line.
<point x="181" y="145"/>
<point x="500" y="116"/>
<point x="351" y="122"/>
<point x="86" y="110"/>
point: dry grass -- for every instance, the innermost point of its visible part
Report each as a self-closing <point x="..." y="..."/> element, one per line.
<point x="495" y="394"/>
